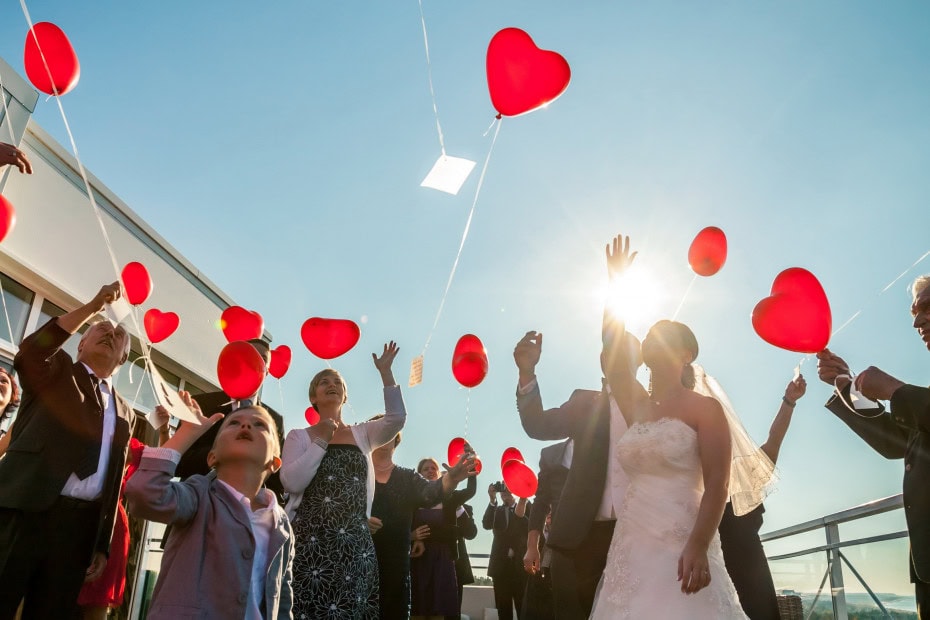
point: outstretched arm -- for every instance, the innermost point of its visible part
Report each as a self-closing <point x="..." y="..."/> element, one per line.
<point x="793" y="392"/>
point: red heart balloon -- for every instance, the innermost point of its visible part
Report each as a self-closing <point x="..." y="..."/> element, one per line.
<point x="137" y="283"/>
<point x="159" y="325"/>
<point x="7" y="217"/>
<point x="455" y="451"/>
<point x="511" y="454"/>
<point x="478" y="466"/>
<point x="63" y="71"/>
<point x="280" y="361"/>
<point x="519" y="478"/>
<point x="329" y="338"/>
<point x="311" y="416"/>
<point x="522" y="77"/>
<point x="240" y="369"/>
<point x="241" y="324"/>
<point x="708" y="251"/>
<point x="796" y="316"/>
<point x="469" y="361"/>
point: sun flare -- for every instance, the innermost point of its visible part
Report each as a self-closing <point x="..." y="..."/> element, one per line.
<point x="635" y="297"/>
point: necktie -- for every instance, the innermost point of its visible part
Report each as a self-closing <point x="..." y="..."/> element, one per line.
<point x="87" y="466"/>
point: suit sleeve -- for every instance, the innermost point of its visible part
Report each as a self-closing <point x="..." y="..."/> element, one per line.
<point x="910" y="407"/>
<point x="150" y="493"/>
<point x="466" y="524"/>
<point x="548" y="425"/>
<point x="40" y="356"/>
<point x="424" y="493"/>
<point x="543" y="500"/>
<point x="457" y="498"/>
<point x="487" y="521"/>
<point x="882" y="433"/>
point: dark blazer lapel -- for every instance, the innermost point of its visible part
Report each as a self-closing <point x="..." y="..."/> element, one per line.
<point x="82" y="379"/>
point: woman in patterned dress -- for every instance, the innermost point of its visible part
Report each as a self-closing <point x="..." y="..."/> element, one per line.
<point x="328" y="472"/>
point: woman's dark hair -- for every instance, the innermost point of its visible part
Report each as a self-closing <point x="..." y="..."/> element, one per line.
<point x="13" y="405"/>
<point x="680" y="335"/>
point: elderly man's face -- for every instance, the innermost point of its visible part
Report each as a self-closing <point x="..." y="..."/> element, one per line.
<point x="920" y="310"/>
<point x="105" y="345"/>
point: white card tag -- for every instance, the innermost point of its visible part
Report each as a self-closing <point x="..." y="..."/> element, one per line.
<point x="117" y="311"/>
<point x="448" y="174"/>
<point x="416" y="371"/>
<point x="169" y="398"/>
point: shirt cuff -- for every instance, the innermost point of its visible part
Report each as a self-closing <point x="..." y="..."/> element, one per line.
<point x="166" y="454"/>
<point x="460" y="511"/>
<point x="523" y="390"/>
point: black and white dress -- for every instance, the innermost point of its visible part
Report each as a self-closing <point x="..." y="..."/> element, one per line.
<point x="335" y="567"/>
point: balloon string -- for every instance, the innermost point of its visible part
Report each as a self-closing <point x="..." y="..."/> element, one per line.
<point x="467" y="401"/>
<point x="429" y="74"/>
<point x="684" y="297"/>
<point x="458" y="254"/>
<point x="6" y="112"/>
<point x="281" y="394"/>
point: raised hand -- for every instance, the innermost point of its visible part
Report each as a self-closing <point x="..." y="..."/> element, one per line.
<point x="383" y="363"/>
<point x="526" y="355"/>
<point x="465" y="468"/>
<point x="619" y="257"/>
<point x="796" y="389"/>
<point x="107" y="294"/>
<point x="10" y="155"/>
<point x="188" y="432"/>
<point x="830" y="366"/>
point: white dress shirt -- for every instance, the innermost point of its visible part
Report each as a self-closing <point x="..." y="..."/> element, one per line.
<point x="91" y="487"/>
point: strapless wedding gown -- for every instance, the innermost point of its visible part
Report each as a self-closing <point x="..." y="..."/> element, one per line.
<point x="659" y="510"/>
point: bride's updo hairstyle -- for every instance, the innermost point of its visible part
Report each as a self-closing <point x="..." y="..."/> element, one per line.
<point x="675" y="335"/>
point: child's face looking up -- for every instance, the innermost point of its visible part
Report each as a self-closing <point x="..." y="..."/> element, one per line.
<point x="248" y="435"/>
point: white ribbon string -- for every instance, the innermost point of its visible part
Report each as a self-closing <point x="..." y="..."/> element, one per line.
<point x="429" y="74"/>
<point x="683" y="298"/>
<point x="458" y="254"/>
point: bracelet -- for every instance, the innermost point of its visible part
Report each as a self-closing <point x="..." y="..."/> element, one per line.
<point x="790" y="403"/>
<point x="320" y="442"/>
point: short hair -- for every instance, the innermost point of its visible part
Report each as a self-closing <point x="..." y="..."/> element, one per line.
<point x="13" y="405"/>
<point x="263" y="348"/>
<point x="423" y="462"/>
<point x="919" y="284"/>
<point x="396" y="437"/>
<point x="318" y="377"/>
<point x="259" y="408"/>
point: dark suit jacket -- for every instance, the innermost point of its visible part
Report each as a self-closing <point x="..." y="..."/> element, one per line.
<point x="55" y="427"/>
<point x="903" y="433"/>
<point x="552" y="476"/>
<point x="467" y="531"/>
<point x="509" y="534"/>
<point x="586" y="419"/>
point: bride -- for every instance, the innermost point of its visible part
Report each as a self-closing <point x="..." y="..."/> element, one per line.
<point x="665" y="559"/>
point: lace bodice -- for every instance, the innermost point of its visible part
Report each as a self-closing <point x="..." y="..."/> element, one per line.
<point x="663" y="449"/>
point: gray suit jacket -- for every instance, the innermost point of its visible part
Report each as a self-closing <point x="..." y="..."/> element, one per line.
<point x="586" y="419"/>
<point x="552" y="476"/>
<point x="207" y="567"/>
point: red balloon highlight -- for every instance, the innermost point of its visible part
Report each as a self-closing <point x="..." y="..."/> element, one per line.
<point x="469" y="361"/>
<point x="519" y="478"/>
<point x="63" y="70"/>
<point x="708" y="251"/>
<point x="522" y="77"/>
<point x="511" y="454"/>
<point x="137" y="283"/>
<point x="7" y="217"/>
<point x="478" y="466"/>
<point x="241" y="324"/>
<point x="329" y="338"/>
<point x="159" y="325"/>
<point x="240" y="369"/>
<point x="455" y="451"/>
<point x="796" y="316"/>
<point x="280" y="361"/>
<point x="311" y="416"/>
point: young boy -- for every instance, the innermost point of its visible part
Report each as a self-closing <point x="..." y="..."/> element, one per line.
<point x="230" y="550"/>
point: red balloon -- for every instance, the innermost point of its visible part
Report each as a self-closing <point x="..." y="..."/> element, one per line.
<point x="241" y="324"/>
<point x="329" y="338"/>
<point x="137" y="283"/>
<point x="7" y="217"/>
<point x="519" y="478"/>
<point x="280" y="361"/>
<point x="455" y="451"/>
<point x="511" y="454"/>
<point x="522" y="77"/>
<point x="159" y="325"/>
<point x="63" y="69"/>
<point x="469" y="361"/>
<point x="796" y="316"/>
<point x="708" y="251"/>
<point x="311" y="416"/>
<point x="241" y="369"/>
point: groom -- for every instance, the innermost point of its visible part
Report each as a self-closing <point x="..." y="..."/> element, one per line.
<point x="583" y="524"/>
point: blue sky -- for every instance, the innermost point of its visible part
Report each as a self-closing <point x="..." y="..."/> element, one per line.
<point x="279" y="146"/>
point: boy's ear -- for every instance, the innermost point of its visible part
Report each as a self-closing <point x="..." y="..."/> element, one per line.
<point x="211" y="459"/>
<point x="275" y="463"/>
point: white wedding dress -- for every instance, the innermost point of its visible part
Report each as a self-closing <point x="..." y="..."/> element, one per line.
<point x="659" y="510"/>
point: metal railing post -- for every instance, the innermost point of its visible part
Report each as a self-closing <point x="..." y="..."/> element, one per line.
<point x="837" y="589"/>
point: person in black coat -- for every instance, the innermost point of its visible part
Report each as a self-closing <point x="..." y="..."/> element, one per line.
<point x="60" y="477"/>
<point x="467" y="530"/>
<point x="509" y="522"/>
<point x="902" y="432"/>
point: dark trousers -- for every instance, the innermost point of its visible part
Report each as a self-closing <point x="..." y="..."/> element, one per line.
<point x="575" y="575"/>
<point x="922" y="592"/>
<point x="44" y="557"/>
<point x="509" y="586"/>
<point x="537" y="602"/>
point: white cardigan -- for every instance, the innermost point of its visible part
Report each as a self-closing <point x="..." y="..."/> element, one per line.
<point x="301" y="458"/>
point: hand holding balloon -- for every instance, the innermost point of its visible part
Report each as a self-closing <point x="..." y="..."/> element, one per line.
<point x="526" y="355"/>
<point x="383" y="363"/>
<point x="464" y="468"/>
<point x="831" y="366"/>
<point x="187" y="434"/>
<point x="12" y="156"/>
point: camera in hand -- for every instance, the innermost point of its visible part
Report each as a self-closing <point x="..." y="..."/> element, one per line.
<point x="500" y="487"/>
